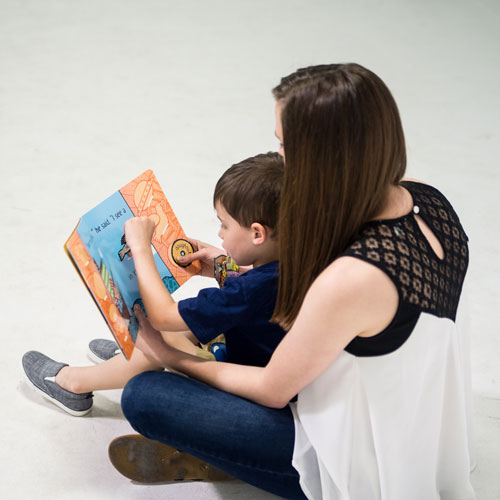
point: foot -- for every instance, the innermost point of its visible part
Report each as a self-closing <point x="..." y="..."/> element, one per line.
<point x="102" y="349"/>
<point x="146" y="461"/>
<point x="41" y="372"/>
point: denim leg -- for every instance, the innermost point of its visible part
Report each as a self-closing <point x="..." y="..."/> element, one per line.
<point x="248" y="441"/>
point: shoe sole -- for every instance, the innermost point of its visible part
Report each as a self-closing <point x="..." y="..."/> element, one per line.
<point x="74" y="413"/>
<point x="146" y="461"/>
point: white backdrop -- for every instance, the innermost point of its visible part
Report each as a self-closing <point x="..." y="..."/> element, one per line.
<point x="93" y="93"/>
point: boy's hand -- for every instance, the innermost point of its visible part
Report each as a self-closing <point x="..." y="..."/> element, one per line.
<point x="205" y="253"/>
<point x="139" y="233"/>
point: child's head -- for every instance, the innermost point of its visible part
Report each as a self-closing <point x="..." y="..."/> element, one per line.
<point x="246" y="199"/>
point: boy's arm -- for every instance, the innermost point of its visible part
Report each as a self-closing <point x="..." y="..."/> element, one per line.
<point x="161" y="308"/>
<point x="206" y="254"/>
<point x="188" y="334"/>
<point x="183" y="341"/>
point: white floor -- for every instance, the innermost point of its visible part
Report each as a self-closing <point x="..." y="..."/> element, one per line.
<point x="93" y="93"/>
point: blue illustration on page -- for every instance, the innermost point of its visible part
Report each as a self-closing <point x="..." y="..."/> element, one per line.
<point x="101" y="230"/>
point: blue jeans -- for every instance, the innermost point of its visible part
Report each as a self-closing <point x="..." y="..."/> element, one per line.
<point x="248" y="441"/>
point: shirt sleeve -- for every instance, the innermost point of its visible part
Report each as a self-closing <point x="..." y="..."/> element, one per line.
<point x="216" y="310"/>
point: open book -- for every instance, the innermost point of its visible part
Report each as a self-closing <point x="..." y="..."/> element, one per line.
<point x="98" y="250"/>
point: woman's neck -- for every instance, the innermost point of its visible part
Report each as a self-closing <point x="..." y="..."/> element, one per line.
<point x="398" y="203"/>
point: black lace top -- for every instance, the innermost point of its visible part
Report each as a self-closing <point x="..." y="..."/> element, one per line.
<point x="425" y="283"/>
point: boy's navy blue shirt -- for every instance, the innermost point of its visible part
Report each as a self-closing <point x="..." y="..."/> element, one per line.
<point x="241" y="310"/>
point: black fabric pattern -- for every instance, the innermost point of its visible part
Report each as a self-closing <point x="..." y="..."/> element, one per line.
<point x="400" y="249"/>
<point x="425" y="282"/>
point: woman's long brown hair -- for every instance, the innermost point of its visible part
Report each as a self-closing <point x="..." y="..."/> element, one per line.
<point x="344" y="147"/>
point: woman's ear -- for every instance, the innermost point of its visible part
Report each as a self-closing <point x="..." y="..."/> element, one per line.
<point x="259" y="233"/>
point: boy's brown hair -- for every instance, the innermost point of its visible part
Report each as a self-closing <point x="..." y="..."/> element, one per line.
<point x="250" y="190"/>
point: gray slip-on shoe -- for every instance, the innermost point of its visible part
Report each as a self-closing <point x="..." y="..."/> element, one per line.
<point x="102" y="349"/>
<point x="41" y="371"/>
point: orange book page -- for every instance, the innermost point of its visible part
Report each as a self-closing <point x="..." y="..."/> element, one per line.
<point x="90" y="275"/>
<point x="145" y="197"/>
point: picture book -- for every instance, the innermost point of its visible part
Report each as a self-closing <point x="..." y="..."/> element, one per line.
<point x="100" y="254"/>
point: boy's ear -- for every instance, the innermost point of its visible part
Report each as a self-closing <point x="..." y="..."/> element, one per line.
<point x="259" y="233"/>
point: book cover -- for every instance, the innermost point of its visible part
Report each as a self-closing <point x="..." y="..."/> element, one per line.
<point x="99" y="252"/>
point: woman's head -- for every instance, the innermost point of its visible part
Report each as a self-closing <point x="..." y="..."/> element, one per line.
<point x="344" y="147"/>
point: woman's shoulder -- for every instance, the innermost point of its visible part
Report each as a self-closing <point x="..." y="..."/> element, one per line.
<point x="358" y="289"/>
<point x="418" y="189"/>
<point x="350" y="273"/>
<point x="409" y="179"/>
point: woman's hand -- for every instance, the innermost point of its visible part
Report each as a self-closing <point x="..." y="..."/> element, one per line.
<point x="139" y="233"/>
<point x="205" y="253"/>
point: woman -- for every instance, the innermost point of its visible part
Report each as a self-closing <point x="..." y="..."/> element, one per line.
<point x="371" y="275"/>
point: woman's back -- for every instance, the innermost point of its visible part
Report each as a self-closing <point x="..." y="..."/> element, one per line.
<point x="390" y="418"/>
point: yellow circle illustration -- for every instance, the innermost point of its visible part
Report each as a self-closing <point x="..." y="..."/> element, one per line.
<point x="180" y="248"/>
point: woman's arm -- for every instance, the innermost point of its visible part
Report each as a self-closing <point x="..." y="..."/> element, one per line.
<point x="348" y="299"/>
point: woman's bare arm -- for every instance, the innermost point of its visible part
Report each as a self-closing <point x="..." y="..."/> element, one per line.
<point x="348" y="299"/>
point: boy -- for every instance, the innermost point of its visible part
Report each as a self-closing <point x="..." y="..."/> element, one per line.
<point x="246" y="200"/>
